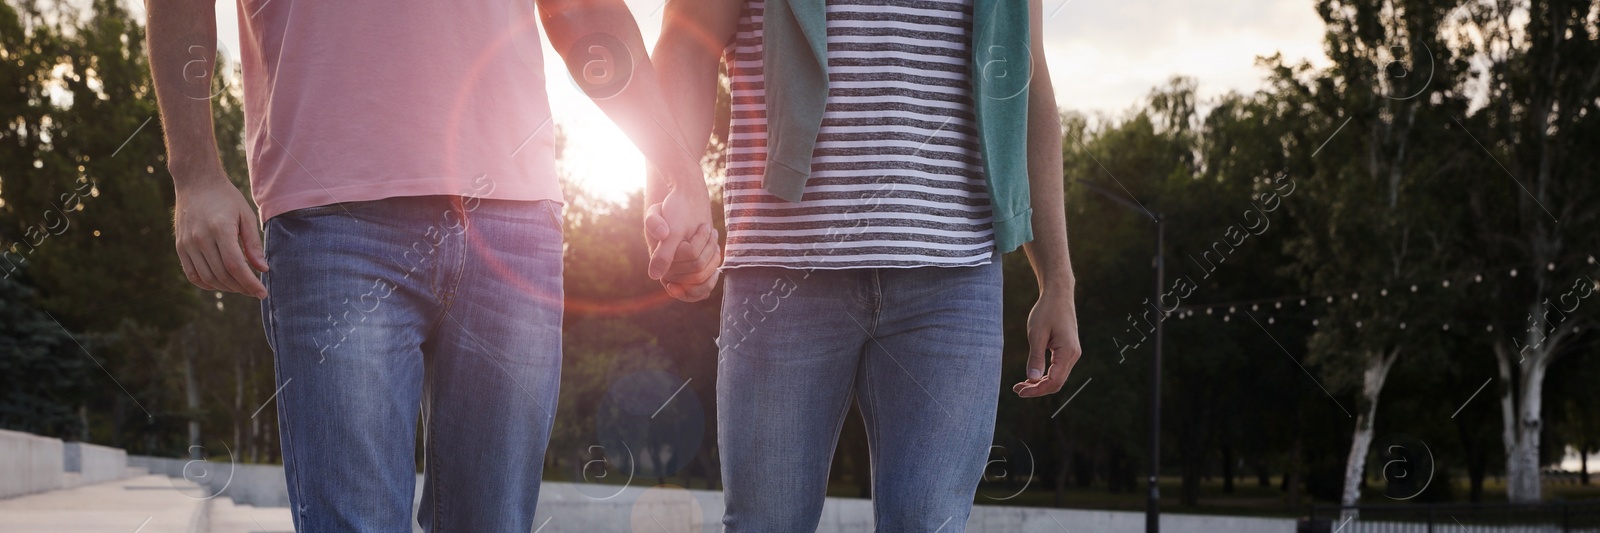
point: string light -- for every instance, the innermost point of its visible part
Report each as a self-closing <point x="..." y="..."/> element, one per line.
<point x="1446" y="284"/>
<point x="1384" y="293"/>
<point x="1513" y="272"/>
<point x="1447" y="327"/>
<point x="1413" y="288"/>
<point x="1477" y="278"/>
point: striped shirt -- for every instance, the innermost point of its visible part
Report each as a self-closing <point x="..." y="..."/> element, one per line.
<point x="896" y="176"/>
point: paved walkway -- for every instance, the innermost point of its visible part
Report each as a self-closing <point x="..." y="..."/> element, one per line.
<point x="143" y="504"/>
<point x="229" y="517"/>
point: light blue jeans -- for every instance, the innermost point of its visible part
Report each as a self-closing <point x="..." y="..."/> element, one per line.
<point x="919" y="348"/>
<point x="376" y="308"/>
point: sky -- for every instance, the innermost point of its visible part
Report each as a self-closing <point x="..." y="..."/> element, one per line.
<point x="1104" y="55"/>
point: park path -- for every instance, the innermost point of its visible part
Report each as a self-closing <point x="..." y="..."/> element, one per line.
<point x="141" y="503"/>
<point x="146" y="504"/>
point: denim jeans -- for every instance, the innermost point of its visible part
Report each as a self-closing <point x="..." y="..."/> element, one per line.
<point x="919" y="349"/>
<point x="445" y="303"/>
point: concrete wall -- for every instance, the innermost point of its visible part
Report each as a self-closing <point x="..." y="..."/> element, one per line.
<point x="94" y="463"/>
<point x="29" y="463"/>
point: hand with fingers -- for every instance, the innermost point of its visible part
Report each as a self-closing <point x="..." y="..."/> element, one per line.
<point x="1052" y="331"/>
<point x="693" y="270"/>
<point x="218" y="243"/>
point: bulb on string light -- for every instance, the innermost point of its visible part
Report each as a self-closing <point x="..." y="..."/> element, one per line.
<point x="1278" y="305"/>
<point x="1490" y="327"/>
<point x="1314" y="322"/>
<point x="1330" y="299"/>
<point x="1591" y="259"/>
<point x="1231" y="309"/>
<point x="1402" y="325"/>
<point x="1254" y="307"/>
<point x="1226" y="318"/>
<point x="1269" y="320"/>
<point x="1355" y="296"/>
<point x="1302" y="302"/>
<point x="1513" y="272"/>
<point x="1551" y="267"/>
<point x="1478" y="278"/>
<point x="1446" y="284"/>
<point x="1413" y="288"/>
<point x="1358" y="324"/>
<point x="1384" y="293"/>
<point x="1447" y="327"/>
<point x="1208" y="310"/>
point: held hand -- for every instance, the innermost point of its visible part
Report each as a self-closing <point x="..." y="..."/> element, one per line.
<point x="694" y="270"/>
<point x="1052" y="326"/>
<point x="218" y="243"/>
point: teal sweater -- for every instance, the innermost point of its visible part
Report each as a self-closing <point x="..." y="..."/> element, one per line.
<point x="796" y="63"/>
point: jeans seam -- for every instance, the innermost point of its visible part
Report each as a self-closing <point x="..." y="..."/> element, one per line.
<point x="283" y="414"/>
<point x="448" y="297"/>
<point x="432" y="454"/>
<point x="873" y="442"/>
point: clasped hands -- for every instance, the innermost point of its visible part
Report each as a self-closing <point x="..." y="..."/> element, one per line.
<point x="685" y="248"/>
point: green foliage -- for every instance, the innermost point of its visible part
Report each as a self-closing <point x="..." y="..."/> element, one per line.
<point x="42" y="374"/>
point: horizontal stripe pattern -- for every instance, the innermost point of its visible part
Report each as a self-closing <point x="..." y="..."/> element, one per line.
<point x="896" y="174"/>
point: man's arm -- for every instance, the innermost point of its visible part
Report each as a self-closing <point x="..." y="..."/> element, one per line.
<point x="688" y="53"/>
<point x="217" y="238"/>
<point x="582" y="29"/>
<point x="1053" y="324"/>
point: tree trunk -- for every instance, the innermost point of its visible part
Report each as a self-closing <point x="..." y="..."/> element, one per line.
<point x="1377" y="371"/>
<point x="1583" y="461"/>
<point x="1291" y="480"/>
<point x="1520" y="408"/>
<point x="1227" y="469"/>
<point x="1063" y="458"/>
<point x="191" y="390"/>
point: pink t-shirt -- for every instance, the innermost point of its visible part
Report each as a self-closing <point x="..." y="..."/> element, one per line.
<point x="353" y="100"/>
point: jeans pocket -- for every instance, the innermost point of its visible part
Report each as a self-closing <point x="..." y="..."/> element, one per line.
<point x="554" y="210"/>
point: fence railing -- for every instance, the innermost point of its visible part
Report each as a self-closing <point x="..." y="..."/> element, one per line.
<point x="1553" y="517"/>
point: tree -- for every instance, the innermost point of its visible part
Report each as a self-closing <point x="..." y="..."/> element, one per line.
<point x="1540" y="71"/>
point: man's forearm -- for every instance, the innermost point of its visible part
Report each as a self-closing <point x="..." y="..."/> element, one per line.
<point x="687" y="70"/>
<point x="640" y="108"/>
<point x="182" y="41"/>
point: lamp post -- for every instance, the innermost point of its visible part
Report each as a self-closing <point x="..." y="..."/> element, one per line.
<point x="1152" y="513"/>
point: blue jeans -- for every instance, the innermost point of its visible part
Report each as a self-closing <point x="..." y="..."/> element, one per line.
<point x="376" y="308"/>
<point x="919" y="349"/>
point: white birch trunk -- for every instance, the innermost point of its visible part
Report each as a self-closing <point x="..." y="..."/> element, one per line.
<point x="1372" y="379"/>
